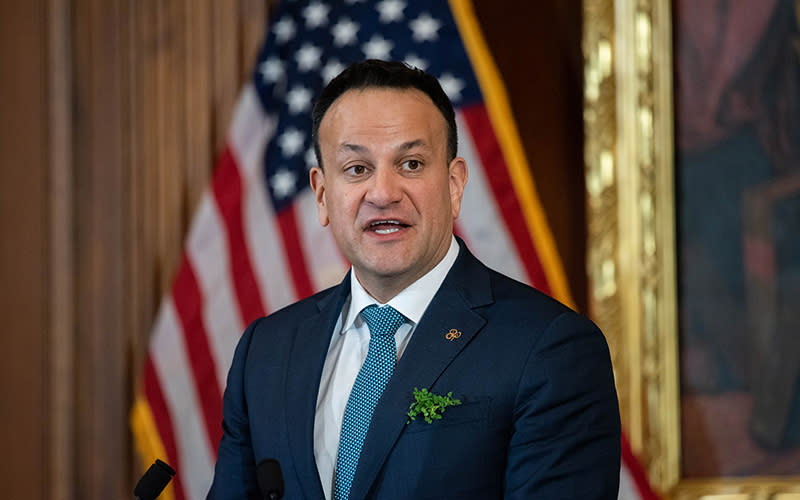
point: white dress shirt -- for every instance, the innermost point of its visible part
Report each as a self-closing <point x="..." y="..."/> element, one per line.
<point x="348" y="350"/>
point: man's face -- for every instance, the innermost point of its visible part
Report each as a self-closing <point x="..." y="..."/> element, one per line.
<point x="387" y="190"/>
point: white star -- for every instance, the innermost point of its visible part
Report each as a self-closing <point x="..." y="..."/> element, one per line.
<point x="284" y="29"/>
<point x="271" y="70"/>
<point x="308" y="57"/>
<point x="452" y="86"/>
<point x="291" y="142"/>
<point x="283" y="183"/>
<point x="316" y="15"/>
<point x="417" y="62"/>
<point x="331" y="70"/>
<point x="344" y="32"/>
<point x="377" y="48"/>
<point x="299" y="99"/>
<point x="425" y="28"/>
<point x="391" y="10"/>
<point x="311" y="158"/>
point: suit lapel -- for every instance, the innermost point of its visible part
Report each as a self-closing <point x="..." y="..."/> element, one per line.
<point x="428" y="354"/>
<point x="310" y="348"/>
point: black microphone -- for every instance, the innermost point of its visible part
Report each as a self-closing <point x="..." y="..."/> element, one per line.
<point x="270" y="479"/>
<point x="153" y="481"/>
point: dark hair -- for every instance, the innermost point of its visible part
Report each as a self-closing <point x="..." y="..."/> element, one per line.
<point x="384" y="74"/>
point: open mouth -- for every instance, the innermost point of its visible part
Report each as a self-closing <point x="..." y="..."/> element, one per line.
<point x="386" y="226"/>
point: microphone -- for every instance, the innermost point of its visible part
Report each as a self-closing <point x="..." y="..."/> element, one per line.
<point x="153" y="481"/>
<point x="270" y="479"/>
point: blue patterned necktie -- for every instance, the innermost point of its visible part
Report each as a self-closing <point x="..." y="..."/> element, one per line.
<point x="383" y="322"/>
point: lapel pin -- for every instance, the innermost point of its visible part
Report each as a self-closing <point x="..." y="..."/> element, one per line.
<point x="452" y="334"/>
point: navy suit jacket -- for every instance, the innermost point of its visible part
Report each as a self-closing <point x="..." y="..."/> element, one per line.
<point x="538" y="419"/>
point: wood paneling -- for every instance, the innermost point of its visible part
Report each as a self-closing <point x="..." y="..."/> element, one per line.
<point x="23" y="250"/>
<point x="112" y="113"/>
<point x="99" y="133"/>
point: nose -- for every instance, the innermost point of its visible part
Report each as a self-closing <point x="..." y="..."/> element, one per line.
<point x="385" y="187"/>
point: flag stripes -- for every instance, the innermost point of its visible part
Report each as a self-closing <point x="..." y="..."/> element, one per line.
<point x="485" y="232"/>
<point x="163" y="421"/>
<point x="502" y="189"/>
<point x="227" y="187"/>
<point x="296" y="256"/>
<point x="206" y="249"/>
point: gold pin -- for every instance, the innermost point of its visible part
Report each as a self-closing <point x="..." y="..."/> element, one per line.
<point x="452" y="334"/>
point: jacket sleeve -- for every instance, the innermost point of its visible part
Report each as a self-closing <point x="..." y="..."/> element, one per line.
<point x="565" y="440"/>
<point x="234" y="474"/>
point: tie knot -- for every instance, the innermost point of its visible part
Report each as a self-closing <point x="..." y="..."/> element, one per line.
<point x="382" y="320"/>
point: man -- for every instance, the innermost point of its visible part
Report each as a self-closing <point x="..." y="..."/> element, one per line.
<point x="317" y="386"/>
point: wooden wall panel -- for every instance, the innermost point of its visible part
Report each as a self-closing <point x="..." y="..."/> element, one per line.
<point x="23" y="250"/>
<point x="61" y="349"/>
<point x="99" y="134"/>
<point x="112" y="113"/>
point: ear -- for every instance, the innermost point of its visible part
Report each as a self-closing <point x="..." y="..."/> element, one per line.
<point x="316" y="178"/>
<point x="458" y="180"/>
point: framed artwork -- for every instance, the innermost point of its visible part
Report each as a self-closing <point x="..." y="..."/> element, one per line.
<point x="692" y="125"/>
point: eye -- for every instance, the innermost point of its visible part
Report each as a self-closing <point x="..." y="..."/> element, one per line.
<point x="412" y="165"/>
<point x="357" y="169"/>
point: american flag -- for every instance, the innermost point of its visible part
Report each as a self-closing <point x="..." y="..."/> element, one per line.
<point x="255" y="245"/>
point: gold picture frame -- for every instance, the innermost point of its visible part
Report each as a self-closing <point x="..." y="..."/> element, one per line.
<point x="629" y="155"/>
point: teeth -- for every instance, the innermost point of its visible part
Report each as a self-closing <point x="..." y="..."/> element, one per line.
<point x="384" y="222"/>
<point x="387" y="231"/>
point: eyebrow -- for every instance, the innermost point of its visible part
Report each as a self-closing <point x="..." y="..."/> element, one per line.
<point x="356" y="148"/>
<point x="411" y="145"/>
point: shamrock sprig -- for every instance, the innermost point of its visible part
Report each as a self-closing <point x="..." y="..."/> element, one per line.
<point x="429" y="405"/>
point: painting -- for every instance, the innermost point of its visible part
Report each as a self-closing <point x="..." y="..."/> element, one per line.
<point x="737" y="122"/>
<point x="692" y="123"/>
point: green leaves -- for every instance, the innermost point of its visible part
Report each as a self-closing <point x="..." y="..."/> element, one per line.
<point x="429" y="405"/>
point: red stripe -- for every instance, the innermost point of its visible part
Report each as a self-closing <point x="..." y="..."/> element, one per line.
<point x="189" y="306"/>
<point x="496" y="173"/>
<point x="227" y="187"/>
<point x="293" y="249"/>
<point x="158" y="406"/>
<point x="636" y="471"/>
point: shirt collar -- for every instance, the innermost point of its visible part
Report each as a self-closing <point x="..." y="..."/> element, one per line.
<point x="411" y="302"/>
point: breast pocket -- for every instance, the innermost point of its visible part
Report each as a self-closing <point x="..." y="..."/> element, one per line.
<point x="470" y="411"/>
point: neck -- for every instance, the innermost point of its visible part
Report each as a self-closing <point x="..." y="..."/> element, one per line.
<point x="385" y="289"/>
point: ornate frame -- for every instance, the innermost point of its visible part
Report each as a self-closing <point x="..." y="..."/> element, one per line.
<point x="628" y="120"/>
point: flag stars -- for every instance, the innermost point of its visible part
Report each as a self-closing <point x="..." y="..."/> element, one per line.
<point x="284" y="30"/>
<point x="316" y="15"/>
<point x="271" y="70"/>
<point x="391" y="10"/>
<point x="416" y="62"/>
<point x="331" y="70"/>
<point x="344" y="32"/>
<point x="291" y="142"/>
<point x="377" y="48"/>
<point x="425" y="28"/>
<point x="308" y="57"/>
<point x="452" y="86"/>
<point x="299" y="100"/>
<point x="283" y="183"/>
